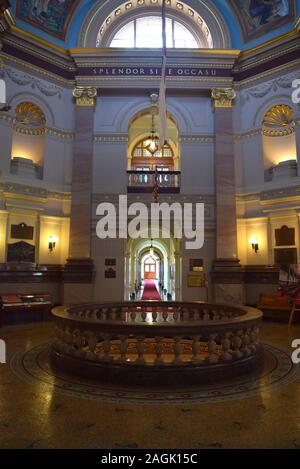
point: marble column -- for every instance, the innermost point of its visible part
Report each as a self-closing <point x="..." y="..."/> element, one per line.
<point x="80" y="268"/>
<point x="227" y="273"/>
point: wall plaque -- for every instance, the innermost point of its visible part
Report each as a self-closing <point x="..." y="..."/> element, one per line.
<point x="110" y="273"/>
<point x="110" y="262"/>
<point x="21" y="231"/>
<point x="21" y="252"/>
<point x="196" y="280"/>
<point x="285" y="236"/>
<point x="285" y="256"/>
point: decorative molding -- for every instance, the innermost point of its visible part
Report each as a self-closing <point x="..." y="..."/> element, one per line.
<point x="223" y="97"/>
<point x="293" y="66"/>
<point x="6" y="118"/>
<point x="23" y="79"/>
<point x="278" y="132"/>
<point x="197" y="139"/>
<point x="280" y="115"/>
<point x="274" y="86"/>
<point x="248" y="134"/>
<point x="85" y="96"/>
<point x="280" y="193"/>
<point x="59" y="133"/>
<point x="33" y="192"/>
<point x="45" y="74"/>
<point x="110" y="138"/>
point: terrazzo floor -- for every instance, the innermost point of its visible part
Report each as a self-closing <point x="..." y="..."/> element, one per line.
<point x="35" y="414"/>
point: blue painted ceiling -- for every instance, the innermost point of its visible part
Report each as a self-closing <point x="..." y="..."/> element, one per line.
<point x="224" y="6"/>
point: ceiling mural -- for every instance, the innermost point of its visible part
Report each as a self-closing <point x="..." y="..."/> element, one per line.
<point x="261" y="16"/>
<point x="51" y="16"/>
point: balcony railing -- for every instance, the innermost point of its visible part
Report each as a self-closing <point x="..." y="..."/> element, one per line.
<point x="144" y="181"/>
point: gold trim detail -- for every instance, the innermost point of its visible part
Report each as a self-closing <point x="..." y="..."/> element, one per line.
<point x="278" y="133"/>
<point x="85" y="96"/>
<point x="223" y="97"/>
<point x="280" y="115"/>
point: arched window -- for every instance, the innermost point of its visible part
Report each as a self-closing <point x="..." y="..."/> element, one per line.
<point x="146" y="156"/>
<point x="28" y="142"/>
<point x="147" y="32"/>
<point x="279" y="142"/>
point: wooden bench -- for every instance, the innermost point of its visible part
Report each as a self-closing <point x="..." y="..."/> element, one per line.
<point x="276" y="306"/>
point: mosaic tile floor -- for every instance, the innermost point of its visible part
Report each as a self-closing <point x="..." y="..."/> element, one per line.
<point x="34" y="367"/>
<point x="40" y="409"/>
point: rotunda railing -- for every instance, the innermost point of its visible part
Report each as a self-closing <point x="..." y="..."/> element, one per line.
<point x="145" y="341"/>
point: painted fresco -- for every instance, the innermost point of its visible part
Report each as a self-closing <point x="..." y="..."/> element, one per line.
<point x="51" y="16"/>
<point x="258" y="17"/>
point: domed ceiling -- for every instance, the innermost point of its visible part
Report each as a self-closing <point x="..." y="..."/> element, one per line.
<point x="250" y="22"/>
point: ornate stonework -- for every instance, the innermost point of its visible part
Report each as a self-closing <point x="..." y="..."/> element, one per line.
<point x="223" y="97"/>
<point x="85" y="96"/>
<point x="279" y="121"/>
<point x="23" y="79"/>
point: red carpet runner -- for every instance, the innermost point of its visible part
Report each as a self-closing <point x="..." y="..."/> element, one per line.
<point x="150" y="291"/>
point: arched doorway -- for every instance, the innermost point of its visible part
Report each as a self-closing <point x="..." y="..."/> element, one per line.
<point x="150" y="268"/>
<point x="166" y="272"/>
<point x="145" y="156"/>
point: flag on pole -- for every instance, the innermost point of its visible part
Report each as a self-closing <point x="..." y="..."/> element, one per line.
<point x="163" y="124"/>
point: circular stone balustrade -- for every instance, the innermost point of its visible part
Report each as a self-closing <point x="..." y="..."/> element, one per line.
<point x="157" y="343"/>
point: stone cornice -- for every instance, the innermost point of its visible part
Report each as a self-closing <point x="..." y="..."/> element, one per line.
<point x="11" y="189"/>
<point x="57" y="64"/>
<point x="272" y="196"/>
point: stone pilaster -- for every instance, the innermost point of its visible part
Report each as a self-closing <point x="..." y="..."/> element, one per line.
<point x="227" y="274"/>
<point x="79" y="268"/>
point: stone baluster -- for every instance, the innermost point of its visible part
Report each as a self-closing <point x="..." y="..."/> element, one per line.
<point x="205" y="314"/>
<point x="177" y="351"/>
<point x="226" y="346"/>
<point x="246" y="343"/>
<point x="106" y="349"/>
<point x="237" y="344"/>
<point x="92" y="344"/>
<point x="140" y="350"/>
<point x="154" y="316"/>
<point x="133" y="316"/>
<point x="165" y="314"/>
<point x="77" y="343"/>
<point x="144" y="315"/>
<point x="123" y="349"/>
<point x="211" y="348"/>
<point x="159" y="349"/>
<point x="123" y="314"/>
<point x="186" y="314"/>
<point x="176" y="314"/>
<point x="254" y="339"/>
<point x="195" y="349"/>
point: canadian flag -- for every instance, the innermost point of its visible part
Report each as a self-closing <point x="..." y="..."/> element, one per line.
<point x="163" y="124"/>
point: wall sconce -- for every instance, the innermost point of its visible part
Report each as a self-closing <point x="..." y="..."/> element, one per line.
<point x="151" y="248"/>
<point x="52" y="243"/>
<point x="254" y="243"/>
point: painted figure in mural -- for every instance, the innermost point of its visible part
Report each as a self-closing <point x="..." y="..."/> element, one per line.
<point x="268" y="10"/>
<point x="50" y="15"/>
<point x="40" y="7"/>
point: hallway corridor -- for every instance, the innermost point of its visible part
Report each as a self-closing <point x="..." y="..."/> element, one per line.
<point x="150" y="291"/>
